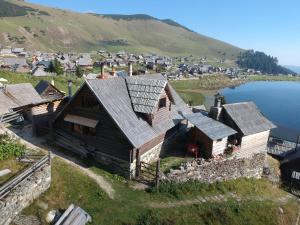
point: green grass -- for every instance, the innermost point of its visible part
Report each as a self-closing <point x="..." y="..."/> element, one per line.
<point x="61" y="82"/>
<point x="210" y="82"/>
<point x="69" y="185"/>
<point x="194" y="91"/>
<point x="272" y="78"/>
<point x="13" y="165"/>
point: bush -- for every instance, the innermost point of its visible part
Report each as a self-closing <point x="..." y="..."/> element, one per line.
<point x="10" y="148"/>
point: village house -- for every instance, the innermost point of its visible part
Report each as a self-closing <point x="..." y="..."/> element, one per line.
<point x="43" y="112"/>
<point x="16" y="100"/>
<point x="85" y="63"/>
<point x="211" y="136"/>
<point x="121" y="121"/>
<point x="15" y="64"/>
<point x="253" y="128"/>
<point x="48" y="91"/>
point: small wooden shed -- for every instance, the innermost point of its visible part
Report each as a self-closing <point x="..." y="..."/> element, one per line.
<point x="209" y="134"/>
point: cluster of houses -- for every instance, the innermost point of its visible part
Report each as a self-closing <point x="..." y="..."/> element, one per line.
<point x="37" y="63"/>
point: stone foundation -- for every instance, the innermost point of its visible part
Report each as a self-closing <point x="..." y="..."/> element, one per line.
<point x="24" y="194"/>
<point x="218" y="170"/>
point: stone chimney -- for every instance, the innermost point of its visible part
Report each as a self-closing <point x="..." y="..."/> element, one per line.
<point x="130" y="68"/>
<point x="215" y="111"/>
<point x="70" y="89"/>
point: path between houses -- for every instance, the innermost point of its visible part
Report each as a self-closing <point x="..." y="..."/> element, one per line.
<point x="217" y="198"/>
<point x="37" y="143"/>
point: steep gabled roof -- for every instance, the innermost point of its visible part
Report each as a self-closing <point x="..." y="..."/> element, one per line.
<point x="144" y="91"/>
<point x="211" y="128"/>
<point x="114" y="96"/>
<point x="248" y="118"/>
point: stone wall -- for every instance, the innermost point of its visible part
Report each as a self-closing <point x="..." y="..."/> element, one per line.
<point x="218" y="169"/>
<point x="24" y="194"/>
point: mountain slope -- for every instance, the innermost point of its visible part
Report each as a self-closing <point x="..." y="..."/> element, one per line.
<point x="43" y="28"/>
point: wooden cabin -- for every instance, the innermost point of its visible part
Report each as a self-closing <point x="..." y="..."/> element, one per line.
<point x="43" y="113"/>
<point x="48" y="91"/>
<point x="121" y="121"/>
<point x="290" y="170"/>
<point x="211" y="136"/>
<point x="252" y="126"/>
<point x="16" y="100"/>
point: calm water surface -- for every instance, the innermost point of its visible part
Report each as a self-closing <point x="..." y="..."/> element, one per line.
<point x="279" y="101"/>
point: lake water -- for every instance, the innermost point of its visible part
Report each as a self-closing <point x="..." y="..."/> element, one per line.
<point x="278" y="101"/>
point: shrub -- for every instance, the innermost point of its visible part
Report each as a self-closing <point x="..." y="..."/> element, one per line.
<point x="10" y="148"/>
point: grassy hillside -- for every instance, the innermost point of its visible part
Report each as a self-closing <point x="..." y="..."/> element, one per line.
<point x="260" y="202"/>
<point x="43" y="28"/>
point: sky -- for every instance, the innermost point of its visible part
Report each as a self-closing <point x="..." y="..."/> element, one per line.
<point x="271" y="26"/>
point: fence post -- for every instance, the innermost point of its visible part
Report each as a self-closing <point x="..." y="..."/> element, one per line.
<point x="138" y="163"/>
<point x="157" y="173"/>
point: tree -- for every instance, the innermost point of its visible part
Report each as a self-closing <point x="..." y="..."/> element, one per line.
<point x="57" y="67"/>
<point x="51" y="68"/>
<point x="260" y="61"/>
<point x="79" y="71"/>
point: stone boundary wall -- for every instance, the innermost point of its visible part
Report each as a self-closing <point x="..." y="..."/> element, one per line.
<point x="218" y="169"/>
<point x="24" y="194"/>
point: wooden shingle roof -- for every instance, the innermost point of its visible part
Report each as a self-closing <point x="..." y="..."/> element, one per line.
<point x="248" y="118"/>
<point x="144" y="93"/>
<point x="211" y="128"/>
<point x="18" y="95"/>
<point x="114" y="96"/>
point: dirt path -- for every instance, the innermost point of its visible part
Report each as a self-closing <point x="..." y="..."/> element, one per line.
<point x="216" y="198"/>
<point x="35" y="143"/>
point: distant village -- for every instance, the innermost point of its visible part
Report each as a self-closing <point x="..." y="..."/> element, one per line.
<point x="38" y="64"/>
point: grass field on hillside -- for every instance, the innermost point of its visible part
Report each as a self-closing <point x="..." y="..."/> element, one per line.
<point x="194" y="91"/>
<point x="132" y="207"/>
<point x="61" y="82"/>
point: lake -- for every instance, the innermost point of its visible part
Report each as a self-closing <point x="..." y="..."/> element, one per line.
<point x="279" y="101"/>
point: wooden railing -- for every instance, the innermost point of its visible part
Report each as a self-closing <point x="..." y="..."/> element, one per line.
<point x="12" y="184"/>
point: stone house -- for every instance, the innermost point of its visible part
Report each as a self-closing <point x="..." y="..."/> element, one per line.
<point x="121" y="121"/>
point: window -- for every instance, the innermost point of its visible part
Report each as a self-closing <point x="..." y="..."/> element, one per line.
<point x="83" y="130"/>
<point x="219" y="140"/>
<point x="162" y="103"/>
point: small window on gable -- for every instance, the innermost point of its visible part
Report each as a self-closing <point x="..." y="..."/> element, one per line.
<point x="219" y="140"/>
<point x="162" y="103"/>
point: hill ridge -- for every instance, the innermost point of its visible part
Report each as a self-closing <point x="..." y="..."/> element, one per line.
<point x="53" y="29"/>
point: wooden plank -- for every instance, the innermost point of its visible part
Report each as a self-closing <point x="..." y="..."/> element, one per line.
<point x="65" y="214"/>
